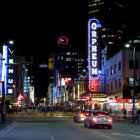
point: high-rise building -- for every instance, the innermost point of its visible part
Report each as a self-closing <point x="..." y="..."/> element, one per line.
<point x="113" y="15"/>
<point x="64" y="63"/>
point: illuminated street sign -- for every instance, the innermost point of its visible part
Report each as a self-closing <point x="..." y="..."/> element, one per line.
<point x="93" y="26"/>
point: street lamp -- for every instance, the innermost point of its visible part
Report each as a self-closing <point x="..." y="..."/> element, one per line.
<point x="134" y="82"/>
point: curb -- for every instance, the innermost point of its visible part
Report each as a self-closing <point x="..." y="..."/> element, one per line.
<point x="7" y="127"/>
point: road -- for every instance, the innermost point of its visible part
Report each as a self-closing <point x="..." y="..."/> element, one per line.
<point x="63" y="128"/>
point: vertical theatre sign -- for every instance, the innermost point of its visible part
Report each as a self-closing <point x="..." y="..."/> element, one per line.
<point x="93" y="53"/>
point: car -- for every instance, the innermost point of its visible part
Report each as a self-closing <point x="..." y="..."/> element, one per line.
<point x="81" y="115"/>
<point x="98" y="118"/>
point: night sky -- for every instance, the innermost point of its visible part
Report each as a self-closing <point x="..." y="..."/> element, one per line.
<point x="35" y="26"/>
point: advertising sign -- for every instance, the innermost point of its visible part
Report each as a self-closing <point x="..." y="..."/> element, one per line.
<point x="93" y="58"/>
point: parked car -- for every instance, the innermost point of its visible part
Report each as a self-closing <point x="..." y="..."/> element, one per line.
<point x="98" y="118"/>
<point x="81" y="115"/>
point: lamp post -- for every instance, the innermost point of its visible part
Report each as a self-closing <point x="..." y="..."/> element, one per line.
<point x="134" y="82"/>
<point x="4" y="62"/>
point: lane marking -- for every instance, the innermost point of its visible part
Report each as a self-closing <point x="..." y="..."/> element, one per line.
<point x="111" y="138"/>
<point x="135" y="136"/>
<point x="5" y="131"/>
<point x="120" y="134"/>
<point x="52" y="137"/>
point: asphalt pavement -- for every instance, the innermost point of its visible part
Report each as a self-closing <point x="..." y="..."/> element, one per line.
<point x="63" y="128"/>
<point x="60" y="126"/>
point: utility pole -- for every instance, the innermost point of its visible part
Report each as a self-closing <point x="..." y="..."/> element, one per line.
<point x="3" y="104"/>
<point x="134" y="82"/>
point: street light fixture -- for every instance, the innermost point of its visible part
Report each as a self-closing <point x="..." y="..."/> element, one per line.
<point x="11" y="42"/>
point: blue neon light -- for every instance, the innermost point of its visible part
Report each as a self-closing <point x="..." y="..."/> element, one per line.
<point x="93" y="25"/>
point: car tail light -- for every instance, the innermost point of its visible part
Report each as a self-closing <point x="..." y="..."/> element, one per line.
<point x="101" y="115"/>
<point x="94" y="119"/>
<point x="109" y="120"/>
<point x="82" y="115"/>
<point x="87" y="114"/>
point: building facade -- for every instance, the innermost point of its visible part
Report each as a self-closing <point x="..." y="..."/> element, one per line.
<point x="119" y="80"/>
<point x="113" y="16"/>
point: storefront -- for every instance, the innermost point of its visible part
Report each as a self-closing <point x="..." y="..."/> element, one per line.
<point x="118" y="105"/>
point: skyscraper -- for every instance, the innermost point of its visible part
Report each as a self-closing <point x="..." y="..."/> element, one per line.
<point x="113" y="17"/>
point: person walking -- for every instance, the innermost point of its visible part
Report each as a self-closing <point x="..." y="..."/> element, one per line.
<point x="124" y="113"/>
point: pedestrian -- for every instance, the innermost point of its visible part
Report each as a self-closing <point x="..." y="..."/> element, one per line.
<point x="124" y="113"/>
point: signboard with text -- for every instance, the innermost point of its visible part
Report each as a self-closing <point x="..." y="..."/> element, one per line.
<point x="93" y="54"/>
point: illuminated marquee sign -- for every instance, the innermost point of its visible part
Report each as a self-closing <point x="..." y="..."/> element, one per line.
<point x="58" y="84"/>
<point x="93" y="26"/>
<point x="10" y="79"/>
<point x="4" y="66"/>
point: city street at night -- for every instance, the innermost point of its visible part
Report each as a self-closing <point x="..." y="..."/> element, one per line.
<point x="70" y="70"/>
<point x="63" y="128"/>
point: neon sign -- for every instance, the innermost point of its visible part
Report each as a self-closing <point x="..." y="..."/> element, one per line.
<point x="4" y="66"/>
<point x="63" y="40"/>
<point x="93" y="26"/>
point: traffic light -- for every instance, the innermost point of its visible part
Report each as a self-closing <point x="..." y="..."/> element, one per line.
<point x="88" y="98"/>
<point x="66" y="80"/>
<point x="22" y="97"/>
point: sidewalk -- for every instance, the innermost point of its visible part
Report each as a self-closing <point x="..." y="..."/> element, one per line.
<point x="9" y="121"/>
<point x="120" y="119"/>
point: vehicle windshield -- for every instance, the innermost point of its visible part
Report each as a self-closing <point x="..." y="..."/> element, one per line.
<point x="87" y="113"/>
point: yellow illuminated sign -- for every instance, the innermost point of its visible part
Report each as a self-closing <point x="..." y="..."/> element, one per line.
<point x="51" y="63"/>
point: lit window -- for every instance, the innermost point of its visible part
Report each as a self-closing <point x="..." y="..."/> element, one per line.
<point x="68" y="53"/>
<point x="111" y="71"/>
<point x="58" y="58"/>
<point x="110" y="42"/>
<point x="61" y="57"/>
<point x="131" y="82"/>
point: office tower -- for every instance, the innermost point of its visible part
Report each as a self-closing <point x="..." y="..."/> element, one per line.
<point x="113" y="16"/>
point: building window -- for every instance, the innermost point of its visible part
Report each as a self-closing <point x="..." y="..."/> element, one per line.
<point x="108" y="87"/>
<point x="120" y="83"/>
<point x="119" y="66"/>
<point x="58" y="58"/>
<point x="111" y="71"/>
<point x="131" y="64"/>
<point x="131" y="82"/>
<point x="111" y="86"/>
<point x="61" y="57"/>
<point x="107" y="72"/>
<point x="115" y="84"/>
<point x="115" y="68"/>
